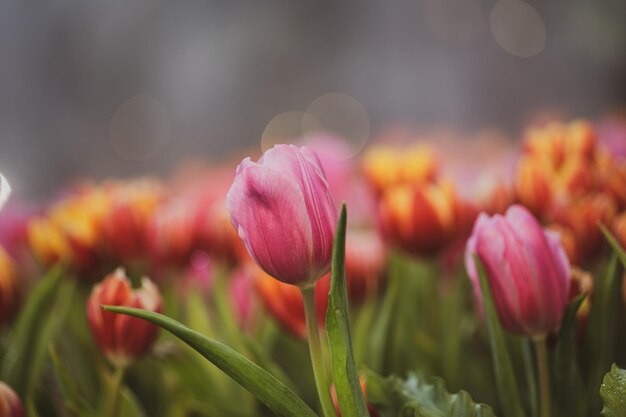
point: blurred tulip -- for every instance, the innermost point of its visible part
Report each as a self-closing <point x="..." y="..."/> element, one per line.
<point x="10" y="404"/>
<point x="240" y="291"/>
<point x="48" y="242"/>
<point x="171" y="233"/>
<point x="582" y="216"/>
<point x="421" y="219"/>
<point x="527" y="269"/>
<point x="366" y="259"/>
<point x="122" y="339"/>
<point x="558" y="162"/>
<point x="9" y="287"/>
<point x="284" y="302"/>
<point x="5" y="191"/>
<point x="384" y="166"/>
<point x="124" y="228"/>
<point x="284" y="212"/>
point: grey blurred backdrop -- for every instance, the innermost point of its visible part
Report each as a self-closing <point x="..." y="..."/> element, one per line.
<point x="219" y="71"/>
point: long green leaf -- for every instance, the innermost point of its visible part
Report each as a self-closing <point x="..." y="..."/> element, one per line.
<point x="617" y="247"/>
<point x="568" y="383"/>
<point x="613" y="393"/>
<point x="25" y="339"/>
<point x="420" y="397"/>
<point x="345" y="375"/>
<point x="269" y="390"/>
<point x="506" y="383"/>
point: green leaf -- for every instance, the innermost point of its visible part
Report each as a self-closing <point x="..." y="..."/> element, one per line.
<point x="345" y="375"/>
<point x="617" y="247"/>
<point x="32" y="331"/>
<point x="602" y="328"/>
<point x="567" y="377"/>
<point x="417" y="396"/>
<point x="613" y="393"/>
<point x="269" y="390"/>
<point x="506" y="384"/>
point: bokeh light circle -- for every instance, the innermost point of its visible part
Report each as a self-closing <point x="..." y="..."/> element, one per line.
<point x="340" y="115"/>
<point x="285" y="127"/>
<point x="518" y="28"/>
<point x="140" y="128"/>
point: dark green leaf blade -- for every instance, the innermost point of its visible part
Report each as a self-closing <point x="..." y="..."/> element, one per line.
<point x="418" y="396"/>
<point x="269" y="390"/>
<point x="345" y="374"/>
<point x="613" y="392"/>
<point x="506" y="383"/>
<point x="615" y="245"/>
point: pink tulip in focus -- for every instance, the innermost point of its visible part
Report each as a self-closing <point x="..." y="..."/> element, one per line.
<point x="284" y="212"/>
<point x="527" y="269"/>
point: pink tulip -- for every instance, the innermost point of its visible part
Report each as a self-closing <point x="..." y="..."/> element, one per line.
<point x="527" y="269"/>
<point x="284" y="212"/>
<point x="10" y="404"/>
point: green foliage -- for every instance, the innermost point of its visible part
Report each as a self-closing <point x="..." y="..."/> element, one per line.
<point x="613" y="392"/>
<point x="345" y="375"/>
<point x="417" y="396"/>
<point x="269" y="390"/>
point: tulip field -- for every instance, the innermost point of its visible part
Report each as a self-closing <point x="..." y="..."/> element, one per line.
<point x="413" y="277"/>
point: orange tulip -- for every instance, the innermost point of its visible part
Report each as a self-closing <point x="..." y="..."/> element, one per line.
<point x="9" y="287"/>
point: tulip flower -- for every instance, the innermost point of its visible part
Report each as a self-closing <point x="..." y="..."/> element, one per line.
<point x="527" y="269"/>
<point x="284" y="212"/>
<point x="9" y="288"/>
<point x="10" y="404"/>
<point x="122" y="338"/>
<point x="5" y="190"/>
<point x="422" y="219"/>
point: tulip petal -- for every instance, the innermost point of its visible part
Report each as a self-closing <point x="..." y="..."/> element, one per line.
<point x="269" y="212"/>
<point x="5" y="190"/>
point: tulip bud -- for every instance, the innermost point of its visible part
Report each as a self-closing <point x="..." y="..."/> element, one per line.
<point x="10" y="404"/>
<point x="284" y="302"/>
<point x="122" y="338"/>
<point x="9" y="288"/>
<point x="527" y="269"/>
<point x="284" y="212"/>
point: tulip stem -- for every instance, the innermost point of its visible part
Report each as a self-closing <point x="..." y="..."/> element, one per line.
<point x="115" y="393"/>
<point x="543" y="375"/>
<point x="315" y="349"/>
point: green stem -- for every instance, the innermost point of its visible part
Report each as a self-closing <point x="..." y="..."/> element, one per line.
<point x="543" y="375"/>
<point x="115" y="387"/>
<point x="315" y="349"/>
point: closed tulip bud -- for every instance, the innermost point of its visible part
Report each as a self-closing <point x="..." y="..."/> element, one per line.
<point x="284" y="212"/>
<point x="284" y="302"/>
<point x="526" y="267"/>
<point x="9" y="287"/>
<point x="421" y="220"/>
<point x="10" y="404"/>
<point x="122" y="338"/>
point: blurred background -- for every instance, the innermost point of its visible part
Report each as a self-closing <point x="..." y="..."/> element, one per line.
<point x="118" y="88"/>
